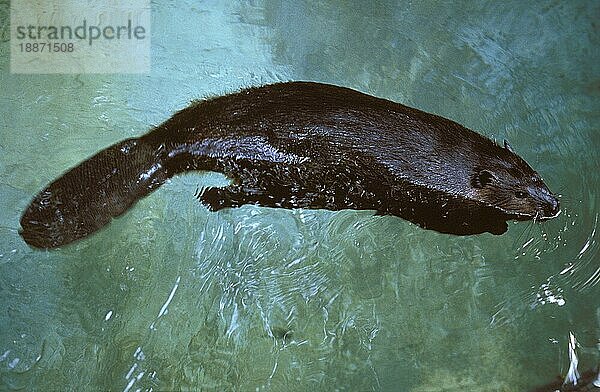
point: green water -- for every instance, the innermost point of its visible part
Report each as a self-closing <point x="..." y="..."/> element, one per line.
<point x="173" y="297"/>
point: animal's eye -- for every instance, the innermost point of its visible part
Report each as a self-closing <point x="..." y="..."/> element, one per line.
<point x="521" y="195"/>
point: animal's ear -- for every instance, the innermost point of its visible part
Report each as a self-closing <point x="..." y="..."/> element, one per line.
<point x="482" y="178"/>
<point x="507" y="146"/>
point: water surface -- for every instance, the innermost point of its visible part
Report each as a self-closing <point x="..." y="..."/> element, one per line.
<point x="173" y="297"/>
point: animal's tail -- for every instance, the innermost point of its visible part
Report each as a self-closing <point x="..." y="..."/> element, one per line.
<point x="88" y="196"/>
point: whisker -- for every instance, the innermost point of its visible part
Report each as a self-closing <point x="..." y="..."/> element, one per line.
<point x="524" y="234"/>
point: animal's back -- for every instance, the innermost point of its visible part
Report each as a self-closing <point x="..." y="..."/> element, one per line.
<point x="321" y="121"/>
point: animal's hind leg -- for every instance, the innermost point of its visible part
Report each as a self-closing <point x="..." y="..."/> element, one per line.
<point x="254" y="183"/>
<point x="218" y="198"/>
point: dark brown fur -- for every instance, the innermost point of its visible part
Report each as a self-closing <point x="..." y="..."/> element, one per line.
<point x="304" y="145"/>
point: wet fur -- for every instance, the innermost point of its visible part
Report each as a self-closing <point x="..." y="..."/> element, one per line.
<point x="303" y="145"/>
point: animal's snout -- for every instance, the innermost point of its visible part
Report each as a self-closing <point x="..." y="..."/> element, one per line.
<point x="553" y="207"/>
<point x="550" y="206"/>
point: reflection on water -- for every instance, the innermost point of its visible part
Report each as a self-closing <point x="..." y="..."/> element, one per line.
<point x="171" y="296"/>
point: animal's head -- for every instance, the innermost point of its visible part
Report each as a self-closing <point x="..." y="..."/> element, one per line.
<point x="508" y="183"/>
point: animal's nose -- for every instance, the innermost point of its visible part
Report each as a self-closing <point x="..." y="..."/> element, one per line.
<point x="554" y="205"/>
<point x="549" y="202"/>
<point x="551" y="206"/>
